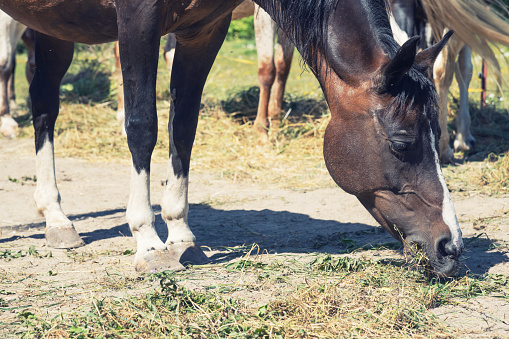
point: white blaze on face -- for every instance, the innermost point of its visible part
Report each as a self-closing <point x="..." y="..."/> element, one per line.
<point x="448" y="212"/>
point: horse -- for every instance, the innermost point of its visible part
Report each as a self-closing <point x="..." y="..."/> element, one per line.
<point x="11" y="32"/>
<point x="474" y="24"/>
<point x="273" y="68"/>
<point x="380" y="143"/>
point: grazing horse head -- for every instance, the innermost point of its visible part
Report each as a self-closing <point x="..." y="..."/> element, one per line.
<point x="381" y="142"/>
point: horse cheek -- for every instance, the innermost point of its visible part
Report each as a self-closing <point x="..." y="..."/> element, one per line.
<point x="347" y="158"/>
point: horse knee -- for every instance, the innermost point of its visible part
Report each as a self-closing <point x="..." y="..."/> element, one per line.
<point x="266" y="73"/>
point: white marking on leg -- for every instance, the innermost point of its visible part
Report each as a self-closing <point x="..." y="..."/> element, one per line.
<point x="140" y="215"/>
<point x="47" y="196"/>
<point x="448" y="212"/>
<point x="175" y="205"/>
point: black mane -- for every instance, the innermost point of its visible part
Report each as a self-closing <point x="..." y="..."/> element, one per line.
<point x="306" y="23"/>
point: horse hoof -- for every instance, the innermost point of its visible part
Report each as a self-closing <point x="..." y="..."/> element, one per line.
<point x="8" y="127"/>
<point x="460" y="146"/>
<point x="63" y="237"/>
<point x="158" y="261"/>
<point x="188" y="252"/>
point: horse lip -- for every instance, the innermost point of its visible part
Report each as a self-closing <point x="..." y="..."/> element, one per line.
<point x="441" y="265"/>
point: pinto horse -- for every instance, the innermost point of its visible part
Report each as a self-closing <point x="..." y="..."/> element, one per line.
<point x="474" y="24"/>
<point x="380" y="144"/>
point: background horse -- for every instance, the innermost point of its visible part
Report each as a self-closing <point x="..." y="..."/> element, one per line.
<point x="273" y="68"/>
<point x="474" y="26"/>
<point x="10" y="33"/>
<point x="380" y="144"/>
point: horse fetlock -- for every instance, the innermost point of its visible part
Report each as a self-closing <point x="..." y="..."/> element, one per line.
<point x="462" y="144"/>
<point x="8" y="126"/>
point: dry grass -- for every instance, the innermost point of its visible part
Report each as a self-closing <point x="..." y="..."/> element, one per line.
<point x="320" y="299"/>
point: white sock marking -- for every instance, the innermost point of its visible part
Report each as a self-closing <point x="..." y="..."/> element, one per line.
<point x="175" y="205"/>
<point x="47" y="196"/>
<point x="140" y="215"/>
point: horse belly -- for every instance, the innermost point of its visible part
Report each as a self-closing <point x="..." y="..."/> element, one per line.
<point x="84" y="21"/>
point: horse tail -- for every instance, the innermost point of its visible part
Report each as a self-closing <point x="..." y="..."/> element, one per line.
<point x="473" y="23"/>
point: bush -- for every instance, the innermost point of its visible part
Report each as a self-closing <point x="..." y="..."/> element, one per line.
<point x="241" y="29"/>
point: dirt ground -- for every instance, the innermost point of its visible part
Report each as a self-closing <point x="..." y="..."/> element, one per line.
<point x="222" y="215"/>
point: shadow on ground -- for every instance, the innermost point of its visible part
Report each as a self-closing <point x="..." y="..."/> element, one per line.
<point x="231" y="232"/>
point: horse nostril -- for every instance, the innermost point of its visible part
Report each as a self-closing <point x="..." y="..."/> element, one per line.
<point x="446" y="247"/>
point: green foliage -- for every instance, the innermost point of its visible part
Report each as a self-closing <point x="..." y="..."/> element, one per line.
<point x="8" y="254"/>
<point x="90" y="84"/>
<point x="241" y="29"/>
<point x="346" y="264"/>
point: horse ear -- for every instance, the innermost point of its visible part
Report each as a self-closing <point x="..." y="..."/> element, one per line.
<point x="400" y="64"/>
<point x="425" y="59"/>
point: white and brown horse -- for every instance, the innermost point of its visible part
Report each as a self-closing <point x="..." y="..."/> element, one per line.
<point x="381" y="143"/>
<point x="474" y="25"/>
<point x="273" y="67"/>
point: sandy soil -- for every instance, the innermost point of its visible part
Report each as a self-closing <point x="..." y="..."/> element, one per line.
<point x="222" y="215"/>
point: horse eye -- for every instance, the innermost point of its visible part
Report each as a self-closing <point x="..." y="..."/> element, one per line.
<point x="399" y="147"/>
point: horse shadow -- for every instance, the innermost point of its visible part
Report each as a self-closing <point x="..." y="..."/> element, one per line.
<point x="232" y="233"/>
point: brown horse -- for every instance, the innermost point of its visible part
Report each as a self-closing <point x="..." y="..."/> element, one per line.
<point x="380" y="145"/>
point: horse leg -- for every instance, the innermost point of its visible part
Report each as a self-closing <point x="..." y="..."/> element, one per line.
<point x="265" y="31"/>
<point x="120" y="89"/>
<point x="443" y="73"/>
<point x="12" y="31"/>
<point x="195" y="59"/>
<point x="8" y="126"/>
<point x="139" y="37"/>
<point x="53" y="58"/>
<point x="11" y="93"/>
<point x="283" y="62"/>
<point x="169" y="50"/>
<point x="464" y="141"/>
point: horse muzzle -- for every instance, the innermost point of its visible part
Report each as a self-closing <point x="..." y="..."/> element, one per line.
<point x="442" y="256"/>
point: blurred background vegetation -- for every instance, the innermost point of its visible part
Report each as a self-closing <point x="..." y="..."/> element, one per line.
<point x="225" y="143"/>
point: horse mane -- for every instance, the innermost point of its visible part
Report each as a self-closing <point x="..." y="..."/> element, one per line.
<point x="471" y="22"/>
<point x="415" y="89"/>
<point x="305" y="22"/>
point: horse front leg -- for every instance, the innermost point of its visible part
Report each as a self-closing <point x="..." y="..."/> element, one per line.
<point x="191" y="66"/>
<point x="265" y="31"/>
<point x="139" y="35"/>
<point x="464" y="140"/>
<point x="53" y="58"/>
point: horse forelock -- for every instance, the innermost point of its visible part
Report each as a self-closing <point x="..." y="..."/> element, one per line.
<point x="413" y="93"/>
